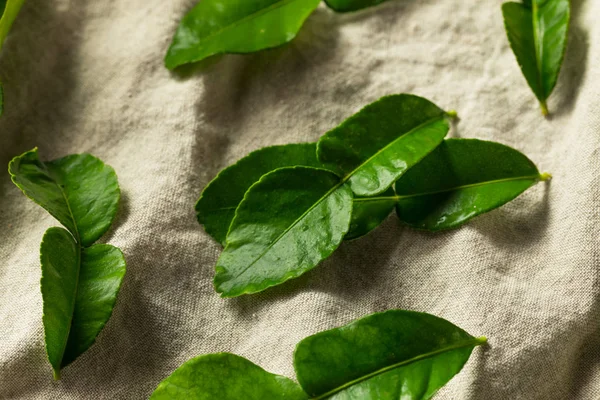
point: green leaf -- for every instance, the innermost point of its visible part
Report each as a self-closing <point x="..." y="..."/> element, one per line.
<point x="225" y="376"/>
<point x="461" y="179"/>
<point x="537" y="31"/>
<point x="369" y="212"/>
<point x="216" y="207"/>
<point x="11" y="9"/>
<point x="351" y="5"/>
<point x="78" y="190"/>
<point x="236" y="26"/>
<point x="377" y="145"/>
<point x="79" y="282"/>
<point x="288" y="222"/>
<point x="79" y="290"/>
<point x="385" y="356"/>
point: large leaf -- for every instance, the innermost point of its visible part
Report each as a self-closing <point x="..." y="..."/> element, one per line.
<point x="216" y="207"/>
<point x="385" y="356"/>
<point x="377" y="145"/>
<point x="79" y="290"/>
<point x="351" y="5"/>
<point x="461" y="179"/>
<point x="236" y="26"/>
<point x="287" y="223"/>
<point x="225" y="376"/>
<point x="537" y="31"/>
<point x="78" y="190"/>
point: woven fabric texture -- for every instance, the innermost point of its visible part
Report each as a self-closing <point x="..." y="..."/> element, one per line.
<point x="88" y="76"/>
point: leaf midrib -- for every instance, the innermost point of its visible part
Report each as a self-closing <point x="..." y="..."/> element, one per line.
<point x="249" y="17"/>
<point x="380" y="198"/>
<point x="466" y="343"/>
<point x="538" y="56"/>
<point x="334" y="188"/>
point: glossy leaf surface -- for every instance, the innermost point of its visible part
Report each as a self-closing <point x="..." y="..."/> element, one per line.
<point x="288" y="222"/>
<point x="369" y="212"/>
<point x="378" y="144"/>
<point x="461" y="179"/>
<point x="217" y="204"/>
<point x="351" y="5"/>
<point x="79" y="290"/>
<point x="236" y="26"/>
<point x="79" y="190"/>
<point x="385" y="356"/>
<point x="225" y="376"/>
<point x="537" y="31"/>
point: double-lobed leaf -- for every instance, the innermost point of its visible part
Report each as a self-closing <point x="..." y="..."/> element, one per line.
<point x="459" y="180"/>
<point x="295" y="217"/>
<point x="537" y="31"/>
<point x="80" y="281"/>
<point x="236" y="26"/>
<point x="384" y="356"/>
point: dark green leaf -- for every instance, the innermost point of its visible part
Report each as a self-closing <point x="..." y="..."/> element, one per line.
<point x="288" y="222"/>
<point x="79" y="290"/>
<point x="236" y="26"/>
<point x="369" y="212"/>
<point x="377" y="145"/>
<point x="216" y="207"/>
<point x="351" y="5"/>
<point x="225" y="376"/>
<point x="78" y="190"/>
<point x="537" y="31"/>
<point x="79" y="283"/>
<point x="461" y="179"/>
<point x="386" y="356"/>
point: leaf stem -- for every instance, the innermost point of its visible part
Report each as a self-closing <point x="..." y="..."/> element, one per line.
<point x="56" y="374"/>
<point x="452" y="114"/>
<point x="544" y="107"/>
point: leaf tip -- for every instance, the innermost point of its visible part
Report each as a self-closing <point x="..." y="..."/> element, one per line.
<point x="481" y="340"/>
<point x="545" y="177"/>
<point x="452" y="114"/>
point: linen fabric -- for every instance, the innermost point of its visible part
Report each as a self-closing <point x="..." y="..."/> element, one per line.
<point x="88" y="76"/>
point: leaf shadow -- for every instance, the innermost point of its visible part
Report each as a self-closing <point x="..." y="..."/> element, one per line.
<point x="573" y="69"/>
<point x="517" y="227"/>
<point x="120" y="219"/>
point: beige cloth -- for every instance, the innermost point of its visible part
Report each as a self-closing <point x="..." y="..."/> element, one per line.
<point x="87" y="76"/>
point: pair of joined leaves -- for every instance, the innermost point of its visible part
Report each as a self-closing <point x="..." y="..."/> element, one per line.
<point x="80" y="280"/>
<point x="537" y="31"/>
<point x="283" y="209"/>
<point x="244" y="26"/>
<point x="9" y="9"/>
<point x="391" y="355"/>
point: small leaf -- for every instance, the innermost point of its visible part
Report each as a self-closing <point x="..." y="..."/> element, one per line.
<point x="225" y="376"/>
<point x="377" y="145"/>
<point x="78" y="190"/>
<point x="351" y="5"/>
<point x="537" y="31"/>
<point x="79" y="290"/>
<point x="236" y="26"/>
<point x="369" y="212"/>
<point x="217" y="204"/>
<point x="385" y="356"/>
<point x="10" y="10"/>
<point x="461" y="179"/>
<point x="288" y="222"/>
